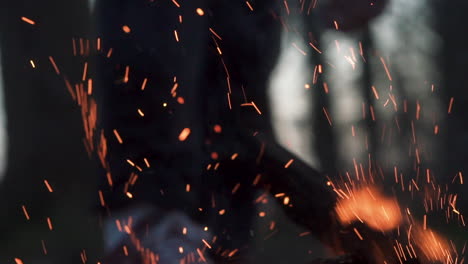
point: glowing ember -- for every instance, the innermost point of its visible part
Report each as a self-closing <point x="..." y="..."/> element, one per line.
<point x="200" y="12"/>
<point x="27" y="20"/>
<point x="370" y="207"/>
<point x="184" y="134"/>
<point x="126" y="29"/>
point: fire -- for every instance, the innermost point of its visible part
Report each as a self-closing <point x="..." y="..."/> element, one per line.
<point x="369" y="206"/>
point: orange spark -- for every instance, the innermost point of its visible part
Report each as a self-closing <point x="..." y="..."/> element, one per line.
<point x="127" y="71"/>
<point x="248" y="4"/>
<point x="90" y="86"/>
<point x="25" y="212"/>
<point x="54" y="65"/>
<point x="146" y="162"/>
<point x="32" y="64"/>
<point x="236" y="187"/>
<point x="358" y="234"/>
<point x="143" y="85"/>
<point x="175" y="3"/>
<point x="450" y="105"/>
<point x="361" y="52"/>
<point x="217" y="129"/>
<point x="49" y="223"/>
<point x="200" y="253"/>
<point x="418" y="110"/>
<point x="18" y="261"/>
<point x="44" y="247"/>
<point x="174" y="88"/>
<point x="109" y="178"/>
<point x="418" y="160"/>
<point x="229" y="101"/>
<point x="126" y="29"/>
<point x="325" y="87"/>
<point x="376" y="94"/>
<point x="184" y="134"/>
<point x="200" y="12"/>
<point x="315" y="48"/>
<point x="101" y="198"/>
<point x="109" y="53"/>
<point x="300" y="50"/>
<point x="214" y="33"/>
<point x="232" y="252"/>
<point x="141" y="112"/>
<point x="328" y="117"/>
<point x="371" y="108"/>
<point x="386" y="69"/>
<point x="206" y="244"/>
<point x="85" y="71"/>
<point x="27" y="20"/>
<point x="117" y="136"/>
<point x="286" y="6"/>
<point x="288" y="163"/>
<point x="256" y="108"/>
<point x="131" y="162"/>
<point x="48" y="186"/>
<point x="272" y="225"/>
<point x="257" y="179"/>
<point x="176" y="36"/>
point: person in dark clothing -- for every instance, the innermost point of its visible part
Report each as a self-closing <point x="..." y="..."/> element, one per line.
<point x="184" y="109"/>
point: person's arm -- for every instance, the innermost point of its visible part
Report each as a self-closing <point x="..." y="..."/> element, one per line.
<point x="312" y="201"/>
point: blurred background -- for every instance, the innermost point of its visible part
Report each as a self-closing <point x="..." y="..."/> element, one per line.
<point x="406" y="70"/>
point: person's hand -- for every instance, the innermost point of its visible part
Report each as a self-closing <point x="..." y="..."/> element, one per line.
<point x="175" y="237"/>
<point x="168" y="238"/>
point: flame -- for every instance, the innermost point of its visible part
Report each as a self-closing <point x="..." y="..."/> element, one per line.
<point x="369" y="206"/>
